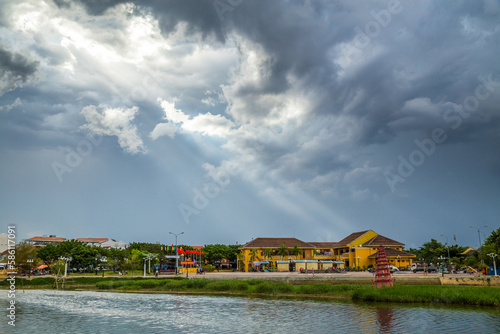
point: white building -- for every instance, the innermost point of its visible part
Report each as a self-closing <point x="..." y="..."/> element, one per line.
<point x="4" y="242"/>
<point x="112" y="243"/>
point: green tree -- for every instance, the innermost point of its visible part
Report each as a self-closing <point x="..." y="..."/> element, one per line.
<point x="283" y="251"/>
<point x="268" y="253"/>
<point x="231" y="252"/>
<point x="430" y="251"/>
<point x="470" y="261"/>
<point x="48" y="254"/>
<point x="295" y="251"/>
<point x="25" y="251"/>
<point x="146" y="247"/>
<point x="494" y="238"/>
<point x="135" y="260"/>
<point x="215" y="253"/>
<point x="253" y="256"/>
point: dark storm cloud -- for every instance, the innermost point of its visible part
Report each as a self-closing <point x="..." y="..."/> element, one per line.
<point x="200" y="16"/>
<point x="15" y="69"/>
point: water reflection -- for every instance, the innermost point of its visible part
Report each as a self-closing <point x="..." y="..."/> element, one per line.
<point x="385" y="319"/>
<point x="44" y="311"/>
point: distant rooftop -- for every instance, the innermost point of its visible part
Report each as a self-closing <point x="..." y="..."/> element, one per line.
<point x="277" y="242"/>
<point x="92" y="239"/>
<point x="46" y="238"/>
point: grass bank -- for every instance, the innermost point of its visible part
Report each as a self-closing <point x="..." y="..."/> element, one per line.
<point x="469" y="295"/>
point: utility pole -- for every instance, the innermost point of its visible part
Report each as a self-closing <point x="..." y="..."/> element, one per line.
<point x="479" y="236"/>
<point x="176" y="251"/>
<point x="448" y="247"/>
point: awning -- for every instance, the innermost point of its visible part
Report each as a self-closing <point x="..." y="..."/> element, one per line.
<point x="43" y="266"/>
<point x="256" y="263"/>
<point x="264" y="262"/>
<point x="282" y="262"/>
<point x="338" y="262"/>
<point x="306" y="261"/>
<point x="326" y="261"/>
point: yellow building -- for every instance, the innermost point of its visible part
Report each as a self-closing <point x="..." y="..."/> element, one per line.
<point x="358" y="249"/>
<point x="264" y="253"/>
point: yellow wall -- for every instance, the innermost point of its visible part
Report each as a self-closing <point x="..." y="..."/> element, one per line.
<point x="283" y="266"/>
<point x="361" y="257"/>
<point x="352" y="257"/>
<point x="363" y="239"/>
<point x="312" y="265"/>
<point x="247" y="261"/>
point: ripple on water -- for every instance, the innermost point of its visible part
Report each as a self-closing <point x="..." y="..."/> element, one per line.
<point x="48" y="311"/>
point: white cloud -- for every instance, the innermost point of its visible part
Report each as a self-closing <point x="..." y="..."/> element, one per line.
<point x="163" y="129"/>
<point x="171" y="112"/>
<point x="206" y="124"/>
<point x="107" y="121"/>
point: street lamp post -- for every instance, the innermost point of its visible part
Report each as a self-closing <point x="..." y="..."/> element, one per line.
<point x="101" y="259"/>
<point x="176" y="251"/>
<point x="399" y="261"/>
<point x="493" y="256"/>
<point x="148" y="257"/>
<point x="442" y="269"/>
<point x="479" y="236"/>
<point x="448" y="247"/>
<point x="30" y="261"/>
<point x="66" y="260"/>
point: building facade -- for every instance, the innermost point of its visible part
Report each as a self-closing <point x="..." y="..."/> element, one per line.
<point x="4" y="242"/>
<point x="44" y="240"/>
<point x="112" y="243"/>
<point x="277" y="253"/>
<point x="92" y="241"/>
<point x="358" y="249"/>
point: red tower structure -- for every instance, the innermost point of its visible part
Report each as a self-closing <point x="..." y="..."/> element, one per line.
<point x="382" y="275"/>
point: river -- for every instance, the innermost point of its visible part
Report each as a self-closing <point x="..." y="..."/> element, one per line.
<point x="52" y="311"/>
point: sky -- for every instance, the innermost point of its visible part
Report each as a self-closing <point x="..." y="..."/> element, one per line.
<point x="235" y="119"/>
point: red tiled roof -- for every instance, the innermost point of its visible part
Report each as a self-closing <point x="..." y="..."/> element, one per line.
<point x="381" y="240"/>
<point x="92" y="239"/>
<point x="350" y="238"/>
<point x="324" y="244"/>
<point x="277" y="242"/>
<point x="46" y="239"/>
<point x="391" y="252"/>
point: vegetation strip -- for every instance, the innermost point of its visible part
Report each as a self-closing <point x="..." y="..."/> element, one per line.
<point x="484" y="296"/>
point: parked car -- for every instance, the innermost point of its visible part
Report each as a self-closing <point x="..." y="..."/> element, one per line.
<point x="393" y="269"/>
<point x="430" y="269"/>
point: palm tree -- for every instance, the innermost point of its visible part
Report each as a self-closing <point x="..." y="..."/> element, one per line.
<point x="268" y="253"/>
<point x="253" y="256"/>
<point x="283" y="251"/>
<point x="295" y="251"/>
<point x="239" y="259"/>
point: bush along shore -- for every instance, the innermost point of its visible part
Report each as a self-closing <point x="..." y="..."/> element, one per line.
<point x="469" y="295"/>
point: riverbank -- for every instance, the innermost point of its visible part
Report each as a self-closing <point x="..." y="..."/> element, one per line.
<point x="400" y="293"/>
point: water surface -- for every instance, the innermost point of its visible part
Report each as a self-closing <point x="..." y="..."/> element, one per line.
<point x="49" y="311"/>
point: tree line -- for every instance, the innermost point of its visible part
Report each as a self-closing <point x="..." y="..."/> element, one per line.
<point x="431" y="252"/>
<point x="88" y="258"/>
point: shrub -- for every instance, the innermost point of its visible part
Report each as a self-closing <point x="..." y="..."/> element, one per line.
<point x="197" y="283"/>
<point x="264" y="287"/>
